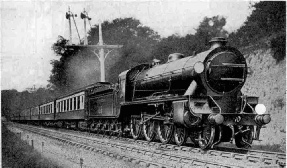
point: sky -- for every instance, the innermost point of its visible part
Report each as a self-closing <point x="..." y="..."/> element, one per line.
<point x="29" y="28"/>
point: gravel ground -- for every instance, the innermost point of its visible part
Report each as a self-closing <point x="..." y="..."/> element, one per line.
<point x="69" y="156"/>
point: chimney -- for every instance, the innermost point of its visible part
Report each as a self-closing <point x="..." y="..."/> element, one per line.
<point x="217" y="42"/>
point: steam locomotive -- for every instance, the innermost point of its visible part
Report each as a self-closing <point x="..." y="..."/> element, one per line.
<point x="196" y="96"/>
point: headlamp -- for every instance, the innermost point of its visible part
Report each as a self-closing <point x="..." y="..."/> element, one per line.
<point x="198" y="67"/>
<point x="260" y="109"/>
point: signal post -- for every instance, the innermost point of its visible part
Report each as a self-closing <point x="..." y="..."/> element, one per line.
<point x="99" y="49"/>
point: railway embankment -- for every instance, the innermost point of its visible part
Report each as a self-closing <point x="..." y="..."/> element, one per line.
<point x="18" y="153"/>
<point x="267" y="80"/>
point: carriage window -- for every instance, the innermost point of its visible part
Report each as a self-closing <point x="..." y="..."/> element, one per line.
<point x="78" y="102"/>
<point x="75" y="104"/>
<point x="62" y="106"/>
<point x="71" y="105"/>
<point x="82" y="104"/>
<point x="65" y="105"/>
<point x="68" y="104"/>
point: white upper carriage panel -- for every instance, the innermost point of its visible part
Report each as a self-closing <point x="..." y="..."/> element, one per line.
<point x="47" y="108"/>
<point x="71" y="103"/>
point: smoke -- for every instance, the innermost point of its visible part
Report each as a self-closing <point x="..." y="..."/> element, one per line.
<point x="84" y="69"/>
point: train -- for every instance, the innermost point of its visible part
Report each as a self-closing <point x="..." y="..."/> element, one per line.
<point x="197" y="96"/>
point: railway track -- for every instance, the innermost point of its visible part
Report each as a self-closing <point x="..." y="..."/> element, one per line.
<point x="154" y="154"/>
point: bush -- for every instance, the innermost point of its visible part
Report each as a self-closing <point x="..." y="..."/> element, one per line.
<point x="278" y="47"/>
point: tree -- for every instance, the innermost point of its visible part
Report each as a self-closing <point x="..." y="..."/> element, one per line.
<point x="208" y="28"/>
<point x="138" y="42"/>
<point x="13" y="102"/>
<point x="58" y="78"/>
<point x="267" y="19"/>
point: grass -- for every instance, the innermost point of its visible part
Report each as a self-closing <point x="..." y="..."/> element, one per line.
<point x="17" y="153"/>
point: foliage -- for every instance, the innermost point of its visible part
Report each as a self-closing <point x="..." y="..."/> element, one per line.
<point x="9" y="102"/>
<point x="12" y="101"/>
<point x="278" y="46"/>
<point x="80" y="67"/>
<point x="208" y="28"/>
<point x="211" y="27"/>
<point x="58" y="77"/>
<point x="267" y="18"/>
<point x="137" y="40"/>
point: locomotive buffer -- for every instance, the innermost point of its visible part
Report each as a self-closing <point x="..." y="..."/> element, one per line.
<point x="100" y="47"/>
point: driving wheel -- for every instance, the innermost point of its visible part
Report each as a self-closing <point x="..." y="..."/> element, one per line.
<point x="149" y="130"/>
<point x="164" y="132"/>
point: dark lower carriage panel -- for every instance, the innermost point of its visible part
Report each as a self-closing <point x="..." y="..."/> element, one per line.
<point x="72" y="119"/>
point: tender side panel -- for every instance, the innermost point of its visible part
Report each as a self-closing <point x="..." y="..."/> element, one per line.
<point x="102" y="105"/>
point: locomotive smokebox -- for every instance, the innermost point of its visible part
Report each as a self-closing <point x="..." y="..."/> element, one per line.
<point x="217" y="42"/>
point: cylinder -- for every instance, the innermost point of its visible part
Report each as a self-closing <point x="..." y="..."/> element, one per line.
<point x="262" y="119"/>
